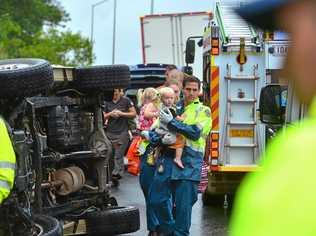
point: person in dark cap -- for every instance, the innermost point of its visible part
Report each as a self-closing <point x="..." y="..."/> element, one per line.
<point x="281" y="198"/>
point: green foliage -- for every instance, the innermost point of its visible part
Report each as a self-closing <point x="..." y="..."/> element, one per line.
<point x="32" y="28"/>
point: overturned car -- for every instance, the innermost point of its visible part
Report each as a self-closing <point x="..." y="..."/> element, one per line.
<point x="62" y="153"/>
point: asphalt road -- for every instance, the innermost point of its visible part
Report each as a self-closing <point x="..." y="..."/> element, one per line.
<point x="206" y="220"/>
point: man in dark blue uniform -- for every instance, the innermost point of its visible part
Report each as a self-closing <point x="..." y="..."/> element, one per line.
<point x="172" y="185"/>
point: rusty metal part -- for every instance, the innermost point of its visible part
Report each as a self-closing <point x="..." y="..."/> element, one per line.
<point x="72" y="179"/>
<point x="52" y="184"/>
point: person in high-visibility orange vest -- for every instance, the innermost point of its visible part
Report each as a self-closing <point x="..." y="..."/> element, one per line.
<point x="7" y="162"/>
<point x="281" y="198"/>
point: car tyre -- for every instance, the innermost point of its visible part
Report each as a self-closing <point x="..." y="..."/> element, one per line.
<point x="101" y="78"/>
<point x="112" y="221"/>
<point x="24" y="77"/>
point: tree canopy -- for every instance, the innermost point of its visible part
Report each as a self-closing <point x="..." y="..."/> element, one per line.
<point x="34" y="28"/>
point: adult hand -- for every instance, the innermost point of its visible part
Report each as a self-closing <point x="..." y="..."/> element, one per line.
<point x="118" y="113"/>
<point x="165" y="116"/>
<point x="114" y="114"/>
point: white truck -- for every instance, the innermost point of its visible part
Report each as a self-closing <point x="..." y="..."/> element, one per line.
<point x="164" y="37"/>
<point x="238" y="61"/>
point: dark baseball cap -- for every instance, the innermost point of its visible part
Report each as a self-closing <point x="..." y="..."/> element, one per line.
<point x="262" y="14"/>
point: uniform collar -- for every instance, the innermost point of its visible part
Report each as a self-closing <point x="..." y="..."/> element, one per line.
<point x="180" y="105"/>
<point x="196" y="101"/>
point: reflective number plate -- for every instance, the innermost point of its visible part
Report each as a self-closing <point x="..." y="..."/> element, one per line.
<point x="241" y="133"/>
<point x="280" y="50"/>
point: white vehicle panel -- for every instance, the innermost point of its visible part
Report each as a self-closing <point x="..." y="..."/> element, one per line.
<point x="242" y="138"/>
<point x="241" y="113"/>
<point x="165" y="36"/>
<point x="159" y="40"/>
<point x="241" y="88"/>
<point x="275" y="52"/>
<point x="193" y="25"/>
<point x="240" y="156"/>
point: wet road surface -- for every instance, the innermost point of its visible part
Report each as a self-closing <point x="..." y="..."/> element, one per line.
<point x="206" y="220"/>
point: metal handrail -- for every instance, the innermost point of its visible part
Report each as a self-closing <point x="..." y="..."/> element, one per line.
<point x="218" y="15"/>
<point x="221" y="23"/>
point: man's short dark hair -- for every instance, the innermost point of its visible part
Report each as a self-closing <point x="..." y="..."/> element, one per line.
<point x="191" y="79"/>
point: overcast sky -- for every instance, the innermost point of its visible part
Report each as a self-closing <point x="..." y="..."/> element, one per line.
<point x="128" y="38"/>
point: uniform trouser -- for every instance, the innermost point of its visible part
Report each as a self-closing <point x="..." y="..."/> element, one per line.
<point x="185" y="195"/>
<point x="119" y="144"/>
<point x="160" y="196"/>
<point x="145" y="179"/>
<point x="164" y="193"/>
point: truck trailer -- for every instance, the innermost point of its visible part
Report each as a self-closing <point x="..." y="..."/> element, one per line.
<point x="164" y="37"/>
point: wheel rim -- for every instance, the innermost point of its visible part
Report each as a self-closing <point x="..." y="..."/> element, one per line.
<point x="112" y="202"/>
<point x="13" y="66"/>
<point x="39" y="230"/>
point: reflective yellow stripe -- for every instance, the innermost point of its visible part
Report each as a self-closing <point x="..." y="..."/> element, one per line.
<point x="197" y="111"/>
<point x="5" y="185"/>
<point x="7" y="165"/>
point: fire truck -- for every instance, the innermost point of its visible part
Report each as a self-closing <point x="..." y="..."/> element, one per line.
<point x="233" y="74"/>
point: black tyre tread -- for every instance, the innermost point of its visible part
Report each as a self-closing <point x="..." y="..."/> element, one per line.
<point x="102" y="78"/>
<point x="28" y="81"/>
<point x="113" y="221"/>
<point x="50" y="225"/>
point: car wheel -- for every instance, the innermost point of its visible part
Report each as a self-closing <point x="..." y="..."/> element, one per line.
<point x="112" y="221"/>
<point x="24" y="77"/>
<point x="101" y="78"/>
